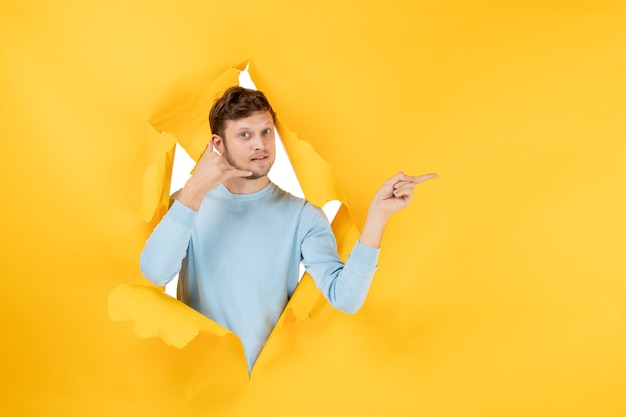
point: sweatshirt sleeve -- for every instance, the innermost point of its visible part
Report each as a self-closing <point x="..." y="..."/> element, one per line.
<point x="165" y="249"/>
<point x="345" y="286"/>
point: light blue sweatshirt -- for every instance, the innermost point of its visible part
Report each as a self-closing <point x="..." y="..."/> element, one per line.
<point x="239" y="257"/>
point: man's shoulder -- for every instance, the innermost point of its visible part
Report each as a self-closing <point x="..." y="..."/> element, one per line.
<point x="286" y="196"/>
<point x="307" y="207"/>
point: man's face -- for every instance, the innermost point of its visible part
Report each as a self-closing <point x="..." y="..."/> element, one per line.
<point x="249" y="144"/>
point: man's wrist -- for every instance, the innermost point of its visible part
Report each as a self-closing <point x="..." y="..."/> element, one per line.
<point x="377" y="215"/>
<point x="373" y="229"/>
<point x="191" y="196"/>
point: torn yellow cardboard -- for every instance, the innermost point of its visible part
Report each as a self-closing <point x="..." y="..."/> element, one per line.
<point x="500" y="290"/>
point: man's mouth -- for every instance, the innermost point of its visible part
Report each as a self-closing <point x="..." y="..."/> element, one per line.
<point x="260" y="158"/>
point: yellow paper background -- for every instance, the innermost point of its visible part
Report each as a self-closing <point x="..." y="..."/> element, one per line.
<point x="500" y="291"/>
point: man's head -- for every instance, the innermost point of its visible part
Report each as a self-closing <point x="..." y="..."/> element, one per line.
<point x="243" y="128"/>
<point x="237" y="103"/>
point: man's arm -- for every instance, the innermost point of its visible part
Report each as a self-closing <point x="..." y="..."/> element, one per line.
<point x="345" y="286"/>
<point x="393" y="196"/>
<point x="162" y="255"/>
<point x="164" y="251"/>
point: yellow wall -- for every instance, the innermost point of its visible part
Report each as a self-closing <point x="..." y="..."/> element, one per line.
<point x="501" y="291"/>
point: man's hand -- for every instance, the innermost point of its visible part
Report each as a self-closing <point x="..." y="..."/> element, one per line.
<point x="211" y="170"/>
<point x="394" y="195"/>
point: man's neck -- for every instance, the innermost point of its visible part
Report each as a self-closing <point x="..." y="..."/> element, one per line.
<point x="239" y="185"/>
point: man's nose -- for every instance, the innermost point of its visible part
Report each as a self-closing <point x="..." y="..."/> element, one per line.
<point x="258" y="142"/>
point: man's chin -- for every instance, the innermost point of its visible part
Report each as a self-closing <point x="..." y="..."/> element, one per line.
<point x="256" y="176"/>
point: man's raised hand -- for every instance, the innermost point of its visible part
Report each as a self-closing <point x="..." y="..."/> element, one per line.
<point x="211" y="170"/>
<point x="396" y="192"/>
<point x="394" y="195"/>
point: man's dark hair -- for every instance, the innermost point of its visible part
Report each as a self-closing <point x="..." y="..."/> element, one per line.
<point x="237" y="103"/>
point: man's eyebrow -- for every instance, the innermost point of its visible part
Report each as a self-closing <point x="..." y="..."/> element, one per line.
<point x="269" y="123"/>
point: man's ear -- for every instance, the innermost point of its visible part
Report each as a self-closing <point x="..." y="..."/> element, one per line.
<point x="218" y="144"/>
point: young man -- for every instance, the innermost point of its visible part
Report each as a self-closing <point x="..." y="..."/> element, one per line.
<point x="238" y="240"/>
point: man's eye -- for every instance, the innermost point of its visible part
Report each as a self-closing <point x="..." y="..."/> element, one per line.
<point x="267" y="131"/>
<point x="244" y="134"/>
